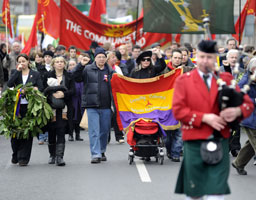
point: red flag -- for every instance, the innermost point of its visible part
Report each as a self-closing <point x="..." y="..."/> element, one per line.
<point x="32" y="40"/>
<point x="177" y="38"/>
<point x="249" y="9"/>
<point x="79" y="30"/>
<point x="98" y="7"/>
<point x="48" y="18"/>
<point x="6" y="15"/>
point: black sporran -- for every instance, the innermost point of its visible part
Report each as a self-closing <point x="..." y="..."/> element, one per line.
<point x="211" y="151"/>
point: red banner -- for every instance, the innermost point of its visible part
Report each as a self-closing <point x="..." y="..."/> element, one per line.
<point x="79" y="30"/>
<point x="6" y="15"/>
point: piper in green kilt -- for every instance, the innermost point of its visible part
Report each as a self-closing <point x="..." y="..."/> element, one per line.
<point x="195" y="104"/>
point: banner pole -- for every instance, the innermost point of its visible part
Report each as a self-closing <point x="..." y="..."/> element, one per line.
<point x="6" y="32"/>
<point x="137" y="15"/>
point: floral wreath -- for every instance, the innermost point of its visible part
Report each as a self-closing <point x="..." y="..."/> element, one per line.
<point x="38" y="113"/>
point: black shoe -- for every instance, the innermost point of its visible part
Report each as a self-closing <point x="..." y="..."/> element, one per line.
<point x="234" y="153"/>
<point x="14" y="161"/>
<point x="51" y="160"/>
<point x="175" y="159"/>
<point x="103" y="157"/>
<point x="79" y="139"/>
<point x="70" y="138"/>
<point x="95" y="160"/>
<point x="169" y="156"/>
<point x="240" y="171"/>
<point x="60" y="161"/>
<point x="23" y="163"/>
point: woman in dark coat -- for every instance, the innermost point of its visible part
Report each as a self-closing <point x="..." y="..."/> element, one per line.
<point x="23" y="75"/>
<point x="145" y="68"/>
<point x="60" y="86"/>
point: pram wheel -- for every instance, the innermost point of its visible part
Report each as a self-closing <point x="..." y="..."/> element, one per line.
<point x="131" y="156"/>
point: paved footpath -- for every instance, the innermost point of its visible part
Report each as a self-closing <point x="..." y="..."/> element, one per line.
<point x="111" y="180"/>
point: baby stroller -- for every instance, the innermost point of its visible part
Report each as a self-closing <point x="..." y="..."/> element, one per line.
<point x="146" y="140"/>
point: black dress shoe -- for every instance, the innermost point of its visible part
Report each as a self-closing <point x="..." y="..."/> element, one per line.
<point x="23" y="163"/>
<point x="169" y="156"/>
<point x="70" y="138"/>
<point x="79" y="139"/>
<point x="52" y="160"/>
<point x="240" y="171"/>
<point x="95" y="160"/>
<point x="234" y="153"/>
<point x="103" y="157"/>
<point x="14" y="161"/>
<point x="175" y="159"/>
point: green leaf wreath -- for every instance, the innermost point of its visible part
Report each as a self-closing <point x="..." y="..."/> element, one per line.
<point x="38" y="114"/>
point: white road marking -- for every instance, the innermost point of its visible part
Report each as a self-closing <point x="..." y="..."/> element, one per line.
<point x="142" y="170"/>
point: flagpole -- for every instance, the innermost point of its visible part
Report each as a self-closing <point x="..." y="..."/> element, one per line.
<point x="43" y="32"/>
<point x="137" y="14"/>
<point x="6" y="32"/>
<point x="239" y="22"/>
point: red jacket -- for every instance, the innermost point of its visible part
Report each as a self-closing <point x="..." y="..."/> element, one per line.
<point x="191" y="100"/>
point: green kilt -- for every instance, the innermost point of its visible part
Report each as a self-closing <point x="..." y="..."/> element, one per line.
<point x="196" y="178"/>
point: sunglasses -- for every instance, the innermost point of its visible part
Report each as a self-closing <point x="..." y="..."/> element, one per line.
<point x="146" y="59"/>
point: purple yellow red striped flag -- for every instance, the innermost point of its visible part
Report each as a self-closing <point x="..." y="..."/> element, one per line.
<point x="145" y="98"/>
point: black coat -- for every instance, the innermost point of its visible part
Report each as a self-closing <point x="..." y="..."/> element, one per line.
<point x="149" y="72"/>
<point x="69" y="84"/>
<point x="33" y="77"/>
<point x="90" y="76"/>
<point x="43" y="73"/>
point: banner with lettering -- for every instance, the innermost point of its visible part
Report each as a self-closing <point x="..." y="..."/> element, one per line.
<point x="79" y="30"/>
<point x="145" y="98"/>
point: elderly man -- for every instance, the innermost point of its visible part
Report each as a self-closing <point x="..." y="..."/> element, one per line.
<point x="229" y="66"/>
<point x="230" y="63"/>
<point x="231" y="44"/>
<point x="97" y="100"/>
<point x="10" y="60"/>
<point x="195" y="104"/>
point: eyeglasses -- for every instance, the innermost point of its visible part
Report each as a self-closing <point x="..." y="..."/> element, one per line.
<point x="146" y="59"/>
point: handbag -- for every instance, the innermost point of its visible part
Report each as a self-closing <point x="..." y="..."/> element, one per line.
<point x="56" y="103"/>
<point x="84" y="121"/>
<point x="211" y="151"/>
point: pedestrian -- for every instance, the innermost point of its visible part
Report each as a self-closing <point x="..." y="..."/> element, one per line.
<point x="195" y="104"/>
<point x="112" y="60"/>
<point x="59" y="92"/>
<point x="76" y="105"/>
<point x="22" y="75"/>
<point x="97" y="100"/>
<point x="145" y="68"/>
<point x="249" y="124"/>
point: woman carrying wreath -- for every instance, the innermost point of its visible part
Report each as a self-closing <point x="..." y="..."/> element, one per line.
<point x="59" y="92"/>
<point x="23" y="75"/>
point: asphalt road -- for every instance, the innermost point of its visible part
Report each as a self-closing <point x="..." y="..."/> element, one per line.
<point x="111" y="180"/>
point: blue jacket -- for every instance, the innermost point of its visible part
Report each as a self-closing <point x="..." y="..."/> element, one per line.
<point x="249" y="122"/>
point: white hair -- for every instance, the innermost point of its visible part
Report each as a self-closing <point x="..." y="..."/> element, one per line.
<point x="232" y="51"/>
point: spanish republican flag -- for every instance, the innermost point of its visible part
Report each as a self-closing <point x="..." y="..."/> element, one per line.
<point x="145" y="98"/>
<point x="6" y="15"/>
